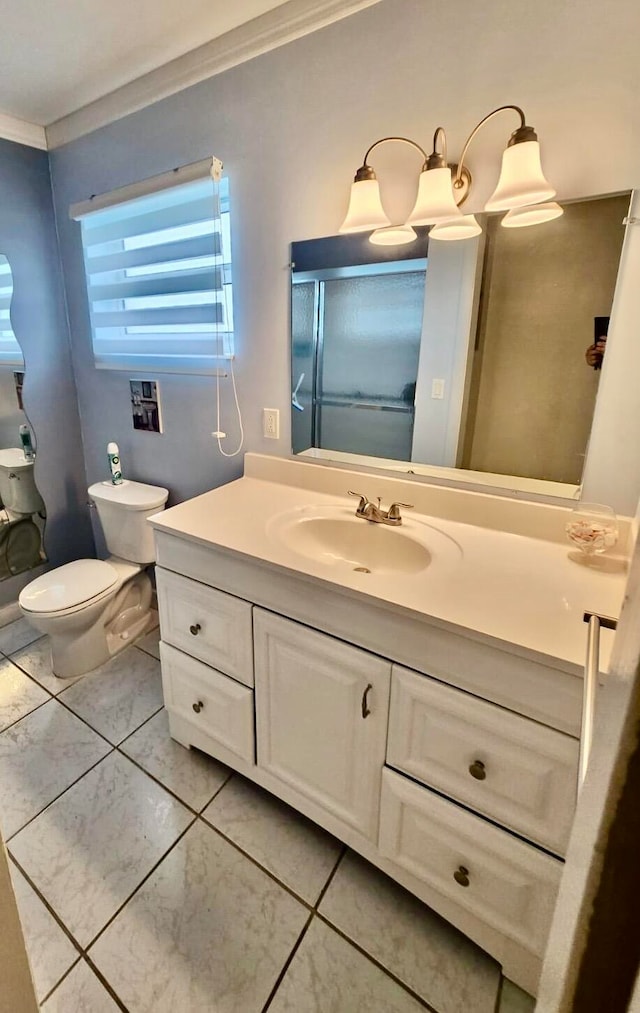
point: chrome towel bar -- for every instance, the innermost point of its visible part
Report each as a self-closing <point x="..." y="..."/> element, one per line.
<point x="591" y="671"/>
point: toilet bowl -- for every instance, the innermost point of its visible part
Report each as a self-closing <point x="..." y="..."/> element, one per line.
<point x="92" y="609"/>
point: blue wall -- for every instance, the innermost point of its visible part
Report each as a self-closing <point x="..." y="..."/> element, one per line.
<point x="291" y="127"/>
<point x="28" y="240"/>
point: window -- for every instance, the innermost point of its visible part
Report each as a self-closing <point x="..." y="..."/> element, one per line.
<point x="158" y="270"/>
<point x="10" y="352"/>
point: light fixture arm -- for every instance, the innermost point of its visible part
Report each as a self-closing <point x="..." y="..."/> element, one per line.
<point x="366" y="171"/>
<point x="438" y="160"/>
<point x="522" y="133"/>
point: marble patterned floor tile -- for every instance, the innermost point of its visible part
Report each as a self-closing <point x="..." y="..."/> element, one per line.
<point x="81" y="992"/>
<point x="16" y="635"/>
<point x="514" y="1000"/>
<point x="208" y="932"/>
<point x="151" y="643"/>
<point x="328" y="975"/>
<point x="51" y="952"/>
<point x="35" y="659"/>
<point x="40" y="756"/>
<point x="18" y="694"/>
<point x="116" y="698"/>
<point x="90" y="849"/>
<point x="430" y="956"/>
<point x="294" y="849"/>
<point x="189" y="774"/>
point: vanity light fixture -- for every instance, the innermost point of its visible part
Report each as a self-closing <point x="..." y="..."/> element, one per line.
<point x="534" y="214"/>
<point x="463" y="227"/>
<point x="443" y="187"/>
<point x="365" y="209"/>
<point x="393" y="235"/>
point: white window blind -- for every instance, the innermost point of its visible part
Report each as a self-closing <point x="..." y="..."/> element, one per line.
<point x="158" y="270"/>
<point x="10" y="351"/>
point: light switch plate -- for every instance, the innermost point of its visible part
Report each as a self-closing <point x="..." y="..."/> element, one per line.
<point x="437" y="389"/>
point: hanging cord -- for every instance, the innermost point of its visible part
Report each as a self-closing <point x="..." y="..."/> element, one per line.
<point x="216" y="171"/>
<point x="235" y="395"/>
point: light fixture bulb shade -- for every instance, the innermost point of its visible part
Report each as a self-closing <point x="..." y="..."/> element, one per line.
<point x="522" y="180"/>
<point x="461" y="227"/>
<point x="435" y="201"/>
<point x="534" y="214"/>
<point x="393" y="235"/>
<point x="365" y="209"/>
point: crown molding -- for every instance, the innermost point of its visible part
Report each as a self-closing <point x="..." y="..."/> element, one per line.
<point x="12" y="129"/>
<point x="283" y="24"/>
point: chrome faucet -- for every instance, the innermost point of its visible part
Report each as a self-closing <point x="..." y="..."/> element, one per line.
<point x="373" y="512"/>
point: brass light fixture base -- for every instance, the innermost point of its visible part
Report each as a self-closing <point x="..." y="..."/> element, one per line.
<point x="461" y="185"/>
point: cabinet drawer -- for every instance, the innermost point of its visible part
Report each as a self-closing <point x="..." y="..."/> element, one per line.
<point x="508" y="884"/>
<point x="208" y="624"/>
<point x="509" y="768"/>
<point x="221" y="707"/>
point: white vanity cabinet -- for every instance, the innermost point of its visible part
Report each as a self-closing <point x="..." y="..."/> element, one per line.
<point x="321" y="718"/>
<point x="466" y="801"/>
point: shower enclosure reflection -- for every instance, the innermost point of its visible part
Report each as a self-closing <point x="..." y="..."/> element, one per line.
<point x="356" y="339"/>
<point x="470" y="357"/>
<point x="22" y="511"/>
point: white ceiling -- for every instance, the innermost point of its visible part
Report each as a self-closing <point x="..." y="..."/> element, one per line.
<point x="58" y="55"/>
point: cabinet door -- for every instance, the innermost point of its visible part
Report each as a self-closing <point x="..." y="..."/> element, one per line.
<point x="321" y="718"/>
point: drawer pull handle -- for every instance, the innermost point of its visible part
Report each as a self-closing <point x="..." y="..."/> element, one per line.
<point x="198" y="706"/>
<point x="366" y="710"/>
<point x="195" y="629"/>
<point x="478" y="770"/>
<point x="461" y="876"/>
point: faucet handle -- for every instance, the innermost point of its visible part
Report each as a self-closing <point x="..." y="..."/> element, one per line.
<point x="363" y="499"/>
<point x="393" y="512"/>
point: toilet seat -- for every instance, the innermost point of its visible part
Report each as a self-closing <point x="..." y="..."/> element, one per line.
<point x="70" y="587"/>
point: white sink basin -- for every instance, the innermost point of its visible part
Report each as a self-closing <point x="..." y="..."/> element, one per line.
<point x="335" y="537"/>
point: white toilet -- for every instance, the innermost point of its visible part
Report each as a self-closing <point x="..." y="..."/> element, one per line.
<point x="92" y="609"/>
<point x="18" y="491"/>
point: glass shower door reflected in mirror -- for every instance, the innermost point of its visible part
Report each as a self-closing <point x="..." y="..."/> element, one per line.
<point x="22" y="511"/>
<point x="356" y="344"/>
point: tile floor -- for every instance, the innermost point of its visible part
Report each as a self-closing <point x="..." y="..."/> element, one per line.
<point x="151" y="879"/>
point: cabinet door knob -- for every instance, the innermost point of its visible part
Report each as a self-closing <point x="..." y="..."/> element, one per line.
<point x="477" y="770"/>
<point x="461" y="876"/>
<point x="195" y="629"/>
<point x="366" y="710"/>
<point x="198" y="706"/>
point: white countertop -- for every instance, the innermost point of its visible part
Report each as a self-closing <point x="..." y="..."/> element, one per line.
<point x="504" y="585"/>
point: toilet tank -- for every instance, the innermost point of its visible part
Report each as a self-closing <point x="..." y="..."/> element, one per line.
<point x="123" y="511"/>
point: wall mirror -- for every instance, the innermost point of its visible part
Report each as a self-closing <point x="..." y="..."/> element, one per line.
<point x="474" y="355"/>
<point x="22" y="511"/>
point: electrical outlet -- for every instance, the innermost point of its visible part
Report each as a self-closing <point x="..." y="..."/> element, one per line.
<point x="271" y="423"/>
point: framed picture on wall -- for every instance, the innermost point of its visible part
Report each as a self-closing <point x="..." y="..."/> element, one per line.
<point x="145" y="406"/>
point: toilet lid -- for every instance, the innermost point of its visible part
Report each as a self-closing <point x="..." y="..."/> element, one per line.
<point x="68" y="586"/>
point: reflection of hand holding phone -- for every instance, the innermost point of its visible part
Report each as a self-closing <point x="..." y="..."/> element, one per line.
<point x="600" y="332"/>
